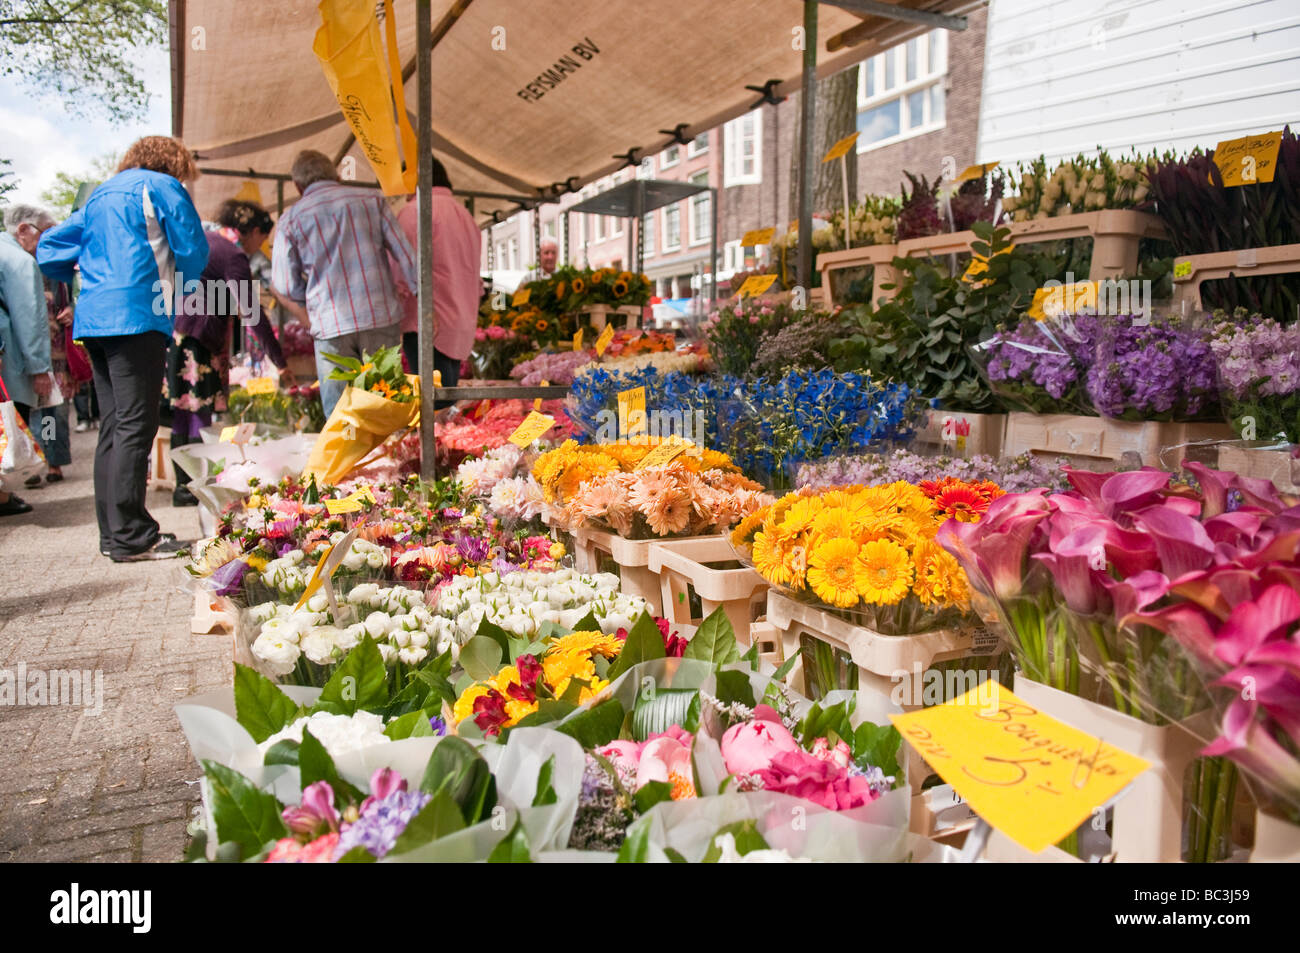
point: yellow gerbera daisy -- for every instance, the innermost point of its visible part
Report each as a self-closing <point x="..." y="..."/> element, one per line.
<point x="883" y="572"/>
<point x="769" y="559"/>
<point x="831" y="572"/>
<point x="832" y="521"/>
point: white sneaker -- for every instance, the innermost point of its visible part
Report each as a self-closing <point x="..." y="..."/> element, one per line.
<point x="81" y="427"/>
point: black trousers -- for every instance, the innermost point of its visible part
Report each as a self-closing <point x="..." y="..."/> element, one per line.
<point x="129" y="373"/>
<point x="448" y="367"/>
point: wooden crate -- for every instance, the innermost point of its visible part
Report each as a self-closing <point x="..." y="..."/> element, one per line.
<point x="1191" y="270"/>
<point x="985" y="436"/>
<point x="1099" y="443"/>
<point x="1262" y="463"/>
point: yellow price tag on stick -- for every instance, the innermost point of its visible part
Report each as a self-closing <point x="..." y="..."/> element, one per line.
<point x="239" y="434"/>
<point x="631" y="411"/>
<point x="755" y="285"/>
<point x="533" y="426"/>
<point x="227" y="434"/>
<point x="521" y="297"/>
<point x="347" y="504"/>
<point x="841" y="148"/>
<point x="1182" y="269"/>
<point x="260" y="385"/>
<point x="1248" y="160"/>
<point x="1030" y="776"/>
<point x="759" y="236"/>
<point x="976" y="171"/>
<point x="577" y="339"/>
<point x="663" y="454"/>
<point x="537" y="401"/>
<point x="602" y="342"/>
<point x="330" y="560"/>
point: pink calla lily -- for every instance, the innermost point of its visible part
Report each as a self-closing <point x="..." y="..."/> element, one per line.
<point x="1256" y="622"/>
<point x="1217" y="484"/>
<point x="1182" y="542"/>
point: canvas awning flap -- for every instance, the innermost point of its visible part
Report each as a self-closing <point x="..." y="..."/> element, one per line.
<point x="621" y="200"/>
<point x="525" y="95"/>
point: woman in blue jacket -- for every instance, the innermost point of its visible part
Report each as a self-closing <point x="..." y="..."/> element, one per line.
<point x="136" y="239"/>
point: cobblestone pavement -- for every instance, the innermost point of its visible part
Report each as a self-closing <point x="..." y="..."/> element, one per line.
<point x="75" y="786"/>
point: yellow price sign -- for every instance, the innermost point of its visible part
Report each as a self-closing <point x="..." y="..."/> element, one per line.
<point x="663" y="454"/>
<point x="347" y="504"/>
<point x="759" y="236"/>
<point x="841" y="148"/>
<point x="260" y="385"/>
<point x="1248" y="160"/>
<point x="1182" y="269"/>
<point x="364" y="495"/>
<point x="521" y="297"/>
<point x="755" y="285"/>
<point x="537" y="401"/>
<point x="533" y="426"/>
<point x="631" y="411"/>
<point x="976" y="171"/>
<point x="1030" y="776"/>
<point x="1055" y="300"/>
<point x="577" y="339"/>
<point x="239" y="434"/>
<point x="227" y="434"/>
<point x="602" y="342"/>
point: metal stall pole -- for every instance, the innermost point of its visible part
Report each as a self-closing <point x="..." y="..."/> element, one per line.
<point x="565" y="232"/>
<point x="537" y="239"/>
<point x="638" y="215"/>
<point x="713" y="248"/>
<point x="807" y="131"/>
<point x="424" y="205"/>
<point x="279" y="197"/>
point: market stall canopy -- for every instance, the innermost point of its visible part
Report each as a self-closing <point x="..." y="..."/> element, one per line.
<point x="528" y="98"/>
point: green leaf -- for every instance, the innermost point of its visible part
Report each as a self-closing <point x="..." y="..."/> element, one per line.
<point x="414" y="724"/>
<point x="547" y="712"/>
<point x="692" y="720"/>
<point x="715" y="642"/>
<point x="440" y="817"/>
<point x="596" y="726"/>
<point x="491" y="630"/>
<point x="651" y="793"/>
<point x="315" y="764"/>
<point x="513" y="849"/>
<point x="674" y="856"/>
<point x="877" y="746"/>
<point x="751" y="657"/>
<point x="643" y="644"/>
<point x="746" y="836"/>
<point x="284" y="751"/>
<point x="734" y="686"/>
<point x="360" y="683"/>
<point x="481" y="657"/>
<point x="636" y="845"/>
<point x="260" y="707"/>
<point x="357" y="855"/>
<point x="457" y="768"/>
<point x="573" y="691"/>
<point x="244" y="814"/>
<point x="588" y="623"/>
<point x="665" y="708"/>
<point x="545" y="790"/>
<point x="786" y="667"/>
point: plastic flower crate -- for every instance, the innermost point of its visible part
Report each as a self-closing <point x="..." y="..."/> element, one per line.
<point x="632" y="557"/>
<point x="1263" y="462"/>
<point x="212" y="614"/>
<point x="162" y="475"/>
<point x="943" y="428"/>
<point x="1100" y="442"/>
<point x="598" y="315"/>
<point x="683" y="566"/>
<point x="1277" y="841"/>
<point x="1191" y="270"/>
<point x="1148" y="818"/>
<point x="877" y="257"/>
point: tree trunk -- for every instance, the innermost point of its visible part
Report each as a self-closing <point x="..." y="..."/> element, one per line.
<point x="837" y="117"/>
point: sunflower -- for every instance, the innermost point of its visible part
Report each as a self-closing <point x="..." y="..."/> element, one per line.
<point x="883" y="572"/>
<point x="579" y="286"/>
<point x="620" y="288"/>
<point x="831" y="572"/>
<point x="541" y="325"/>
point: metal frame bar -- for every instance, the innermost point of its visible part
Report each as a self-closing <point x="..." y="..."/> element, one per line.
<point x="464" y="193"/>
<point x="424" y="200"/>
<point x="892" y="11"/>
<point x="807" y="130"/>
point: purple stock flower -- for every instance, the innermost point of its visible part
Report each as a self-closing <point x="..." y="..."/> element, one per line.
<point x="438" y="725"/>
<point x="229" y="579"/>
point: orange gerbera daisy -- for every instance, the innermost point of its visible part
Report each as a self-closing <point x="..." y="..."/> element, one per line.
<point x="961" y="502"/>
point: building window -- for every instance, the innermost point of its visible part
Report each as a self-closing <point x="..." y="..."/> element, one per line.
<point x="742" y="159"/>
<point x="648" y="234"/>
<point x="701" y="210"/>
<point x="549" y="229"/>
<point x="673" y="227"/>
<point x="615" y="227"/>
<point x="670" y="157"/>
<point x="698" y="146"/>
<point x="597" y="228"/>
<point x="646" y="170"/>
<point x="514" y="254"/>
<point x="733" y="256"/>
<point x="900" y="91"/>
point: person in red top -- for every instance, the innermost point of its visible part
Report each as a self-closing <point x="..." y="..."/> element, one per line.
<point x="457" y="286"/>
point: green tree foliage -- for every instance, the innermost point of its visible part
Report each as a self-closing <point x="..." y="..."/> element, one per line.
<point x="58" y="198"/>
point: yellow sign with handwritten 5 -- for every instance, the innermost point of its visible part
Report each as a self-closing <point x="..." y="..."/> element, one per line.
<point x="1030" y="776"/>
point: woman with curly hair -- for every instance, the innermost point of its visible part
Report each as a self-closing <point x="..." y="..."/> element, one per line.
<point x="136" y="238"/>
<point x="198" y="363"/>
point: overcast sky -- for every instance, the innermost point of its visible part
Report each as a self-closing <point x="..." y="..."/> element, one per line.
<point x="41" y="138"/>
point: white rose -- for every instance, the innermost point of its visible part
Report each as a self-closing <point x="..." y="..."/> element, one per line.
<point x="261" y="613"/>
<point x="318" y="646"/>
<point x="401" y="638"/>
<point x="281" y="628"/>
<point x="295" y="556"/>
<point x="353" y="562"/>
<point x="520" y="625"/>
<point x="419" y="639"/>
<point x="349" y="638"/>
<point x="362" y="594"/>
<point x="490" y="579"/>
<point x="612" y="623"/>
<point x="375" y="560"/>
<point x="318" y="603"/>
<point x="279" y="655"/>
<point x="378" y="624"/>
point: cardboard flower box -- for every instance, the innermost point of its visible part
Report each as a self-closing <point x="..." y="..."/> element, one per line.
<point x="1098" y="443"/>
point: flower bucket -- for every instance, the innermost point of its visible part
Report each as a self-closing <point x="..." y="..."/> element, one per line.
<point x="1277" y="841"/>
<point x="683" y="566"/>
<point x="1148" y="816"/>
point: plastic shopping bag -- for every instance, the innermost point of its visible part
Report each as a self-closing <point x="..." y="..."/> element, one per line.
<point x="20" y="453"/>
<point x="361" y="421"/>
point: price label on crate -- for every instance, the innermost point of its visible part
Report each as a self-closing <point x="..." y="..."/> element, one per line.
<point x="631" y="411"/>
<point x="1248" y="160"/>
<point x="260" y="385"/>
<point x="534" y="425"/>
<point x="602" y="342"/>
<point x="664" y="454"/>
<point x="1182" y="269"/>
<point x="755" y="285"/>
<point x="759" y="236"/>
<point x="976" y="171"/>
<point x="521" y="297"/>
<point x="1030" y="776"/>
<point x="841" y="148"/>
<point x="577" y="339"/>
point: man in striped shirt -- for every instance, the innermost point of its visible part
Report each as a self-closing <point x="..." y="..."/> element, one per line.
<point x="332" y="251"/>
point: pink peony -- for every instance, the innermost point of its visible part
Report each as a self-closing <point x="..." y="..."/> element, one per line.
<point x="823" y="782"/>
<point x="655" y="759"/>
<point x="750" y="747"/>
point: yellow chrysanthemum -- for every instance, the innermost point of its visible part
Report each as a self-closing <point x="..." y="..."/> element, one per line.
<point x="517" y="711"/>
<point x="883" y="572"/>
<point x="504" y="679"/>
<point x="831" y="572"/>
<point x="464" y="706"/>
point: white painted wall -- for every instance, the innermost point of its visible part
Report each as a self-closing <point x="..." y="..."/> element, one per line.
<point x="1066" y="76"/>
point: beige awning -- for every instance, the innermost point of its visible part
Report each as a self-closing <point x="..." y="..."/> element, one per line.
<point x="526" y="93"/>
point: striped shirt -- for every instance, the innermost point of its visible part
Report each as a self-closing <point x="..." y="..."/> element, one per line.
<point x="331" y="252"/>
